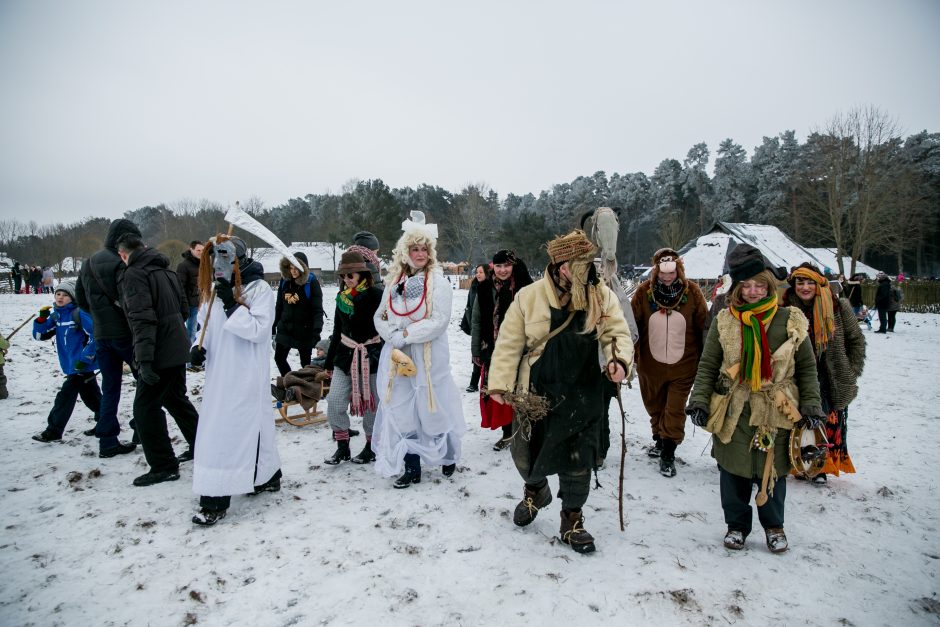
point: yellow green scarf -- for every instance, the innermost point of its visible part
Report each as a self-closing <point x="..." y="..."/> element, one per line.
<point x="755" y="350"/>
<point x="345" y="300"/>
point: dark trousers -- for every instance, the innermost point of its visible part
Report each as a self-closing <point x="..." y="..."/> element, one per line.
<point x="17" y="284"/>
<point x="573" y="488"/>
<point x="280" y="357"/>
<point x="475" y="375"/>
<point x="111" y="355"/>
<point x="75" y="385"/>
<point x="736" y="502"/>
<point x="219" y="503"/>
<point x="170" y="393"/>
<point x="892" y="316"/>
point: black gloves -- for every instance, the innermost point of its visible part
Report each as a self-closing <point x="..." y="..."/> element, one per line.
<point x="146" y="374"/>
<point x="810" y="422"/>
<point x="43" y="313"/>
<point x="197" y="355"/>
<point x="80" y="366"/>
<point x="697" y="415"/>
<point x="223" y="289"/>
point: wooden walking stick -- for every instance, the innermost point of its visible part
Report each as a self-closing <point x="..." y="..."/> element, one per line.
<point x="623" y="443"/>
<point x="21" y="326"/>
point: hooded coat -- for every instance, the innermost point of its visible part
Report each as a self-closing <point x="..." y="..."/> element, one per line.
<point x="96" y="290"/>
<point x="298" y="318"/>
<point x="236" y="447"/>
<point x="156" y="309"/>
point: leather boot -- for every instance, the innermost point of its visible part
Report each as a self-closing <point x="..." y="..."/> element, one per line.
<point x="572" y="532"/>
<point x="667" y="459"/>
<point x="533" y="499"/>
<point x="365" y="455"/>
<point x="341" y="454"/>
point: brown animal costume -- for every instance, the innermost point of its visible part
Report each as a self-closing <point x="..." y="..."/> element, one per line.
<point x="671" y="322"/>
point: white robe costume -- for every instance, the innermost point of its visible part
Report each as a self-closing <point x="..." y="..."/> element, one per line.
<point x="236" y="424"/>
<point x="420" y="414"/>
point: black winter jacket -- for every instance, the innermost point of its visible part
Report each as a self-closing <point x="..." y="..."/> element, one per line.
<point x="156" y="309"/>
<point x="359" y="327"/>
<point x="188" y="273"/>
<point x="883" y="294"/>
<point x="107" y="316"/>
<point x="298" y="320"/>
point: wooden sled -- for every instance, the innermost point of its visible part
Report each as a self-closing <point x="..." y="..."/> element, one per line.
<point x="305" y="417"/>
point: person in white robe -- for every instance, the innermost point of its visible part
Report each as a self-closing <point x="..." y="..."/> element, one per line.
<point x="420" y="417"/>
<point x="236" y="451"/>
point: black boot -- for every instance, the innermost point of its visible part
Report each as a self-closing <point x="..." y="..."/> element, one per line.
<point x="208" y="517"/>
<point x="657" y="449"/>
<point x="271" y="485"/>
<point x="412" y="475"/>
<point x="667" y="459"/>
<point x="365" y="455"/>
<point x="573" y="533"/>
<point x="341" y="454"/>
<point x="533" y="499"/>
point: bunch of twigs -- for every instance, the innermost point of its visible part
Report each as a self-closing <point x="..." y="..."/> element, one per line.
<point x="527" y="410"/>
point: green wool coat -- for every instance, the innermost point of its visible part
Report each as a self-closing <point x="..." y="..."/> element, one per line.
<point x="737" y="456"/>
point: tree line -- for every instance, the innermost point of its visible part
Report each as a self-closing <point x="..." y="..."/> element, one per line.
<point x="855" y="185"/>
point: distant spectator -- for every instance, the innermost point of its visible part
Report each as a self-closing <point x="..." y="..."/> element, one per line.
<point x="35" y="279"/>
<point x="188" y="273"/>
<point x="47" y="278"/>
<point x="17" y="275"/>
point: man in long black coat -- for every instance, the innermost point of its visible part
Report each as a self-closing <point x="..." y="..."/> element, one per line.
<point x="157" y="309"/>
<point x="96" y="292"/>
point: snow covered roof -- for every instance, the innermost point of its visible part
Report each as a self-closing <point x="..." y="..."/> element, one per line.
<point x="320" y="256"/>
<point x="828" y="258"/>
<point x="704" y="257"/>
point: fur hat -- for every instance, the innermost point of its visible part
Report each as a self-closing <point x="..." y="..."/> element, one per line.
<point x="68" y="287"/>
<point x="367" y="239"/>
<point x="286" y="265"/>
<point x="571" y="246"/>
<point x="351" y="262"/>
<point x="745" y="261"/>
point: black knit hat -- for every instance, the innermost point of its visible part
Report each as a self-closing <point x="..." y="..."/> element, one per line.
<point x="505" y="256"/>
<point x="367" y="239"/>
<point x="744" y="262"/>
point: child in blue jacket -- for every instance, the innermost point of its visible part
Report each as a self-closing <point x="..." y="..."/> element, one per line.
<point x="72" y="329"/>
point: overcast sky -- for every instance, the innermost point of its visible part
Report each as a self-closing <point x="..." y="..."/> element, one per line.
<point x="107" y="106"/>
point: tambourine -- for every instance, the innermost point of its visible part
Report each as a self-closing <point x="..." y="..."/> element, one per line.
<point x="808" y="450"/>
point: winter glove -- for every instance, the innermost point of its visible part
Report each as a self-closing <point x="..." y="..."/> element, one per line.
<point x="223" y="289"/>
<point x="43" y="313"/>
<point x="398" y="340"/>
<point x="810" y="422"/>
<point x="697" y="415"/>
<point x="146" y="374"/>
<point x="197" y="356"/>
<point x="80" y="366"/>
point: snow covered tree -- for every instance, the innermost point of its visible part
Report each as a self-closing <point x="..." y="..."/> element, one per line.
<point x="732" y="182"/>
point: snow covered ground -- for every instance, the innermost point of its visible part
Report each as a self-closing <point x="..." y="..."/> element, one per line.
<point x="338" y="545"/>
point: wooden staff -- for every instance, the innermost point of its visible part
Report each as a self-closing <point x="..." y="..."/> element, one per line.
<point x="623" y="443"/>
<point x="21" y="326"/>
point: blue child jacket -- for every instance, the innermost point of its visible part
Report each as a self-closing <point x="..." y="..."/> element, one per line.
<point x="73" y="344"/>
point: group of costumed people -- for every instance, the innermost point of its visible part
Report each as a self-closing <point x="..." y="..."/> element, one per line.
<point x="549" y="354"/>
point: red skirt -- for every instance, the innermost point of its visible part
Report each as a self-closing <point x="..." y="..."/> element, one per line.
<point x="495" y="415"/>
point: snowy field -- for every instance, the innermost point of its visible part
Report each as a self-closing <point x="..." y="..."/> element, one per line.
<point x="81" y="546"/>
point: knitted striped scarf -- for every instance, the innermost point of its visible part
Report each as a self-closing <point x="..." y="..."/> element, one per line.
<point x="823" y="317"/>
<point x="755" y="351"/>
